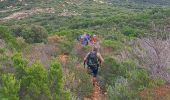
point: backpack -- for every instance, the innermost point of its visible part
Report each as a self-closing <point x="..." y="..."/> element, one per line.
<point x="92" y="60"/>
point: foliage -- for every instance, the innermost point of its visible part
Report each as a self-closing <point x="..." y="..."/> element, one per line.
<point x="56" y="82"/>
<point x="37" y="82"/>
<point x="77" y="80"/>
<point x="115" y="45"/>
<point x="66" y="47"/>
<point x="3" y="56"/>
<point x="120" y="90"/>
<point x="10" y="87"/>
<point x="31" y="34"/>
<point x="17" y="30"/>
<point x="20" y="65"/>
<point x="85" y="86"/>
<point x="72" y="34"/>
<point x="128" y="31"/>
<point x="133" y="79"/>
<point x="7" y="37"/>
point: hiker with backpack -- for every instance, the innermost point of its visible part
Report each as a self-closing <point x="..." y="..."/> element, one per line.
<point x="84" y="39"/>
<point x="93" y="60"/>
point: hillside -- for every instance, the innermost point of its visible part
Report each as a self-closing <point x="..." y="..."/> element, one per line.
<point x="41" y="59"/>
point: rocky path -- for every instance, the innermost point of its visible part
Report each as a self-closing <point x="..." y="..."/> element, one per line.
<point x="98" y="93"/>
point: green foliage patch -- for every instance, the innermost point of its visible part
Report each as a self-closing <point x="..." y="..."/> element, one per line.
<point x="125" y="80"/>
<point x="31" y="34"/>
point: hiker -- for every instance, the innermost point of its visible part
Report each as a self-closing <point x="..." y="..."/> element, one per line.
<point x="94" y="39"/>
<point x="84" y="39"/>
<point x="93" y="60"/>
<point x="88" y="36"/>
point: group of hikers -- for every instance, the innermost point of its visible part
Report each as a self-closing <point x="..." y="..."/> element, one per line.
<point x="86" y="39"/>
<point x="93" y="59"/>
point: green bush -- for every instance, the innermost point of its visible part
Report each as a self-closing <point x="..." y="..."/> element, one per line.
<point x="78" y="80"/>
<point x="109" y="71"/>
<point x="17" y="30"/>
<point x="9" y="88"/>
<point x="72" y="34"/>
<point x="20" y="65"/>
<point x="31" y="34"/>
<point x="121" y="90"/>
<point x="128" y="31"/>
<point x="125" y="79"/>
<point x="115" y="45"/>
<point x="37" y="82"/>
<point x="6" y="35"/>
<point x="66" y="47"/>
<point x="85" y="86"/>
<point x="35" y="34"/>
<point x="56" y="80"/>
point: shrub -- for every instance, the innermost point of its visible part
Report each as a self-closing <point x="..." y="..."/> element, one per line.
<point x="35" y="34"/>
<point x="109" y="72"/>
<point x="85" y="87"/>
<point x="10" y="87"/>
<point x="17" y="30"/>
<point x="66" y="47"/>
<point x="77" y="80"/>
<point x="3" y="56"/>
<point x="36" y="82"/>
<point x="20" y="65"/>
<point x="121" y="90"/>
<point x="72" y="34"/>
<point x="31" y="34"/>
<point x="128" y="31"/>
<point x="21" y="43"/>
<point x="115" y="74"/>
<point x="56" y="80"/>
<point x="115" y="45"/>
<point x="6" y="35"/>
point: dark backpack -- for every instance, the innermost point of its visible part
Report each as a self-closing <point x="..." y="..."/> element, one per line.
<point x="92" y="59"/>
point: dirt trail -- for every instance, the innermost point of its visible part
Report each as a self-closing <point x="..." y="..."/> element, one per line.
<point x="98" y="93"/>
